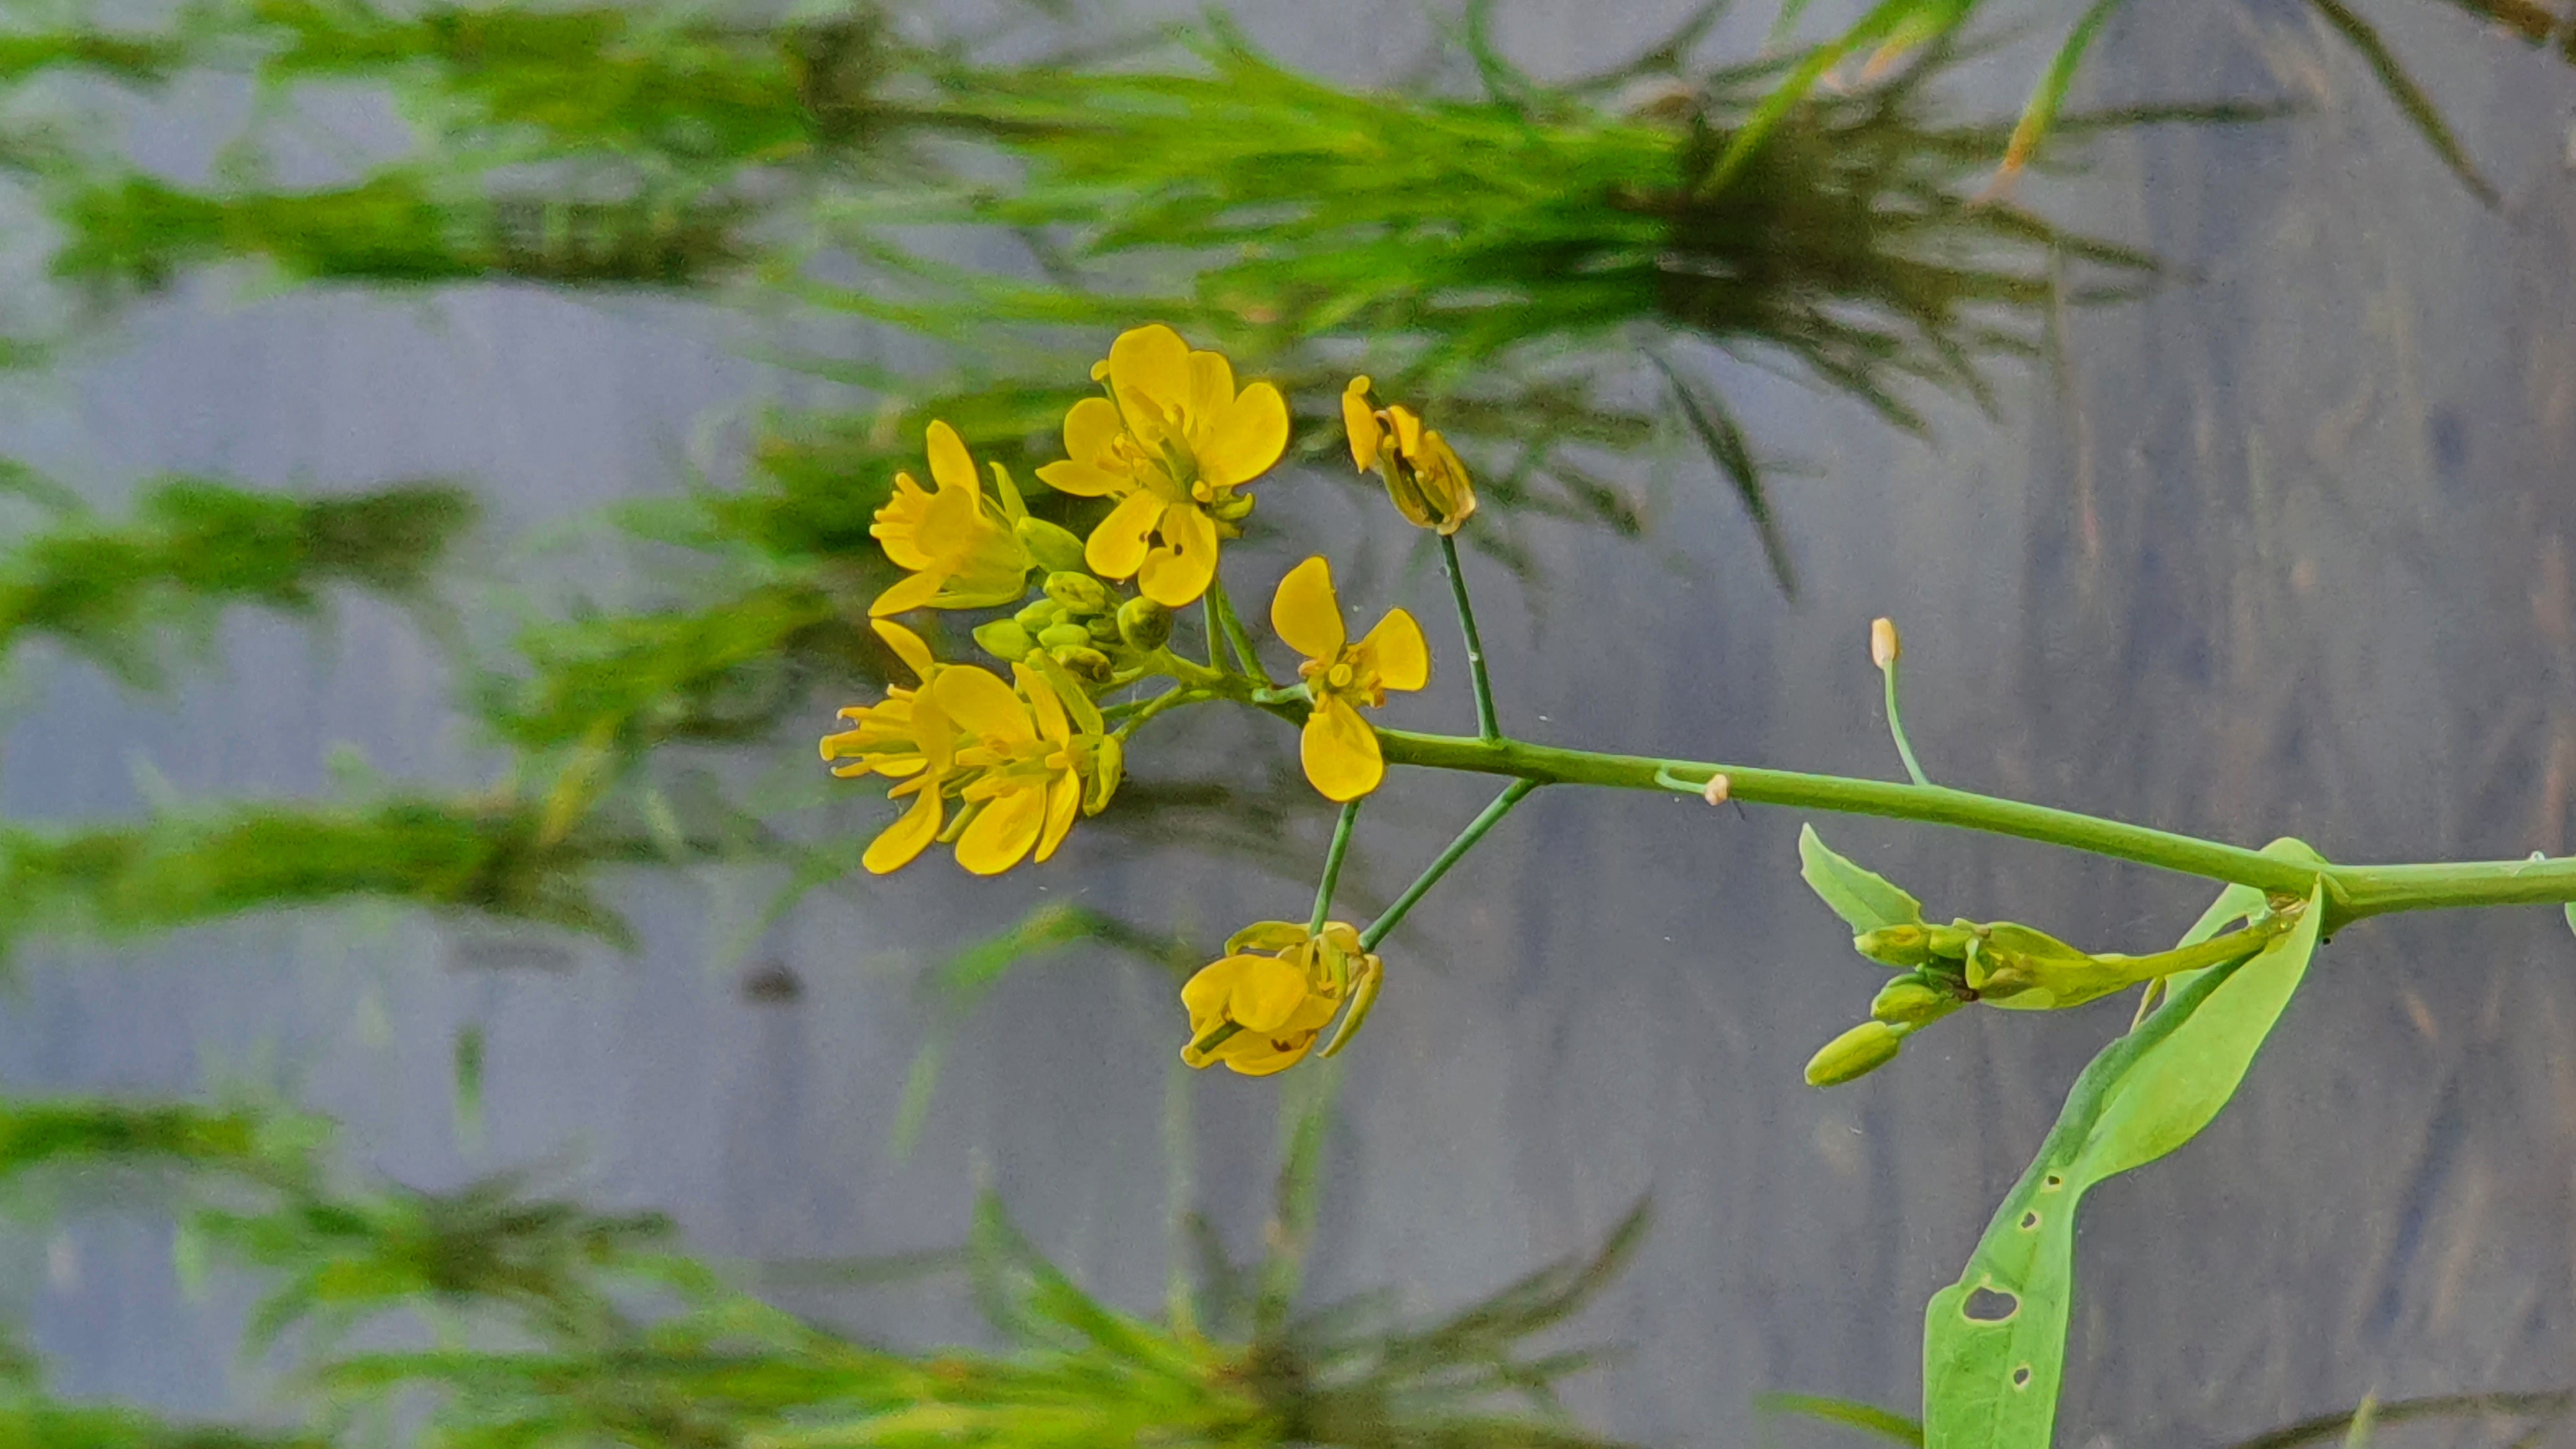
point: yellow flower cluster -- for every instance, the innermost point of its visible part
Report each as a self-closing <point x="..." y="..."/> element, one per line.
<point x="1260" y="1008"/>
<point x="1021" y="763"/>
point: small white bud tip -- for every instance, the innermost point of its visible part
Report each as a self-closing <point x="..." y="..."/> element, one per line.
<point x="1883" y="646"/>
<point x="1716" y="790"/>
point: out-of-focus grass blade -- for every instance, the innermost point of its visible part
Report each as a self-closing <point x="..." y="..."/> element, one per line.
<point x="2041" y="113"/>
<point x="1723" y="438"/>
<point x="1850" y="1413"/>
<point x="2409" y="96"/>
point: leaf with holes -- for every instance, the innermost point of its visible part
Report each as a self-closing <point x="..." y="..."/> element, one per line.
<point x="1994" y="1343"/>
<point x="1864" y="898"/>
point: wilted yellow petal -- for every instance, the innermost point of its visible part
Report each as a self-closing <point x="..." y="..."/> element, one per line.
<point x="950" y="465"/>
<point x="1395" y="649"/>
<point x="897" y="844"/>
<point x="1176" y="576"/>
<point x="1339" y="751"/>
<point x="1204" y="995"/>
<point x="1360" y="421"/>
<point x="1117" y="546"/>
<point x="1305" y="613"/>
<point x="982" y="704"/>
<point x="1000" y="836"/>
<point x="1408" y="430"/>
<point x="1246" y="439"/>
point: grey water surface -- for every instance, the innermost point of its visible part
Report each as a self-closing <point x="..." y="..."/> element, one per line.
<point x="2281" y="549"/>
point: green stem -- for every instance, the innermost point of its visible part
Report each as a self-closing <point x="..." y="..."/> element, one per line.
<point x="1333" y="866"/>
<point x="1235" y="633"/>
<point x="1215" y="634"/>
<point x="1896" y="727"/>
<point x="1512" y="795"/>
<point x="2352" y="891"/>
<point x="1486" y="729"/>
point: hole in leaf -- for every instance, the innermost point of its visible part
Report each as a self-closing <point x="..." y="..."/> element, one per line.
<point x="2052" y="1182"/>
<point x="2021" y="1377"/>
<point x="1988" y="1306"/>
<point x="2029" y="1221"/>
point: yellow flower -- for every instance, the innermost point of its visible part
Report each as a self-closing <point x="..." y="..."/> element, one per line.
<point x="906" y="738"/>
<point x="1260" y="1008"/>
<point x="1025" y="759"/>
<point x="1339" y="749"/>
<point x="957" y="552"/>
<point x="1428" y="484"/>
<point x="1171" y="442"/>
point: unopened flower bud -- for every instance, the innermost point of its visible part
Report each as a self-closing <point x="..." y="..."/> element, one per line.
<point x="1083" y="660"/>
<point x="1898" y="946"/>
<point x="1040" y="614"/>
<point x="1108" y="763"/>
<point x="1144" y="624"/>
<point x="1911" y="1001"/>
<point x="1056" y="550"/>
<point x="1064" y="636"/>
<point x="1005" y="639"/>
<point x="1079" y="593"/>
<point x="1104" y="630"/>
<point x="1717" y="789"/>
<point x="1884" y="647"/>
<point x="1855" y="1054"/>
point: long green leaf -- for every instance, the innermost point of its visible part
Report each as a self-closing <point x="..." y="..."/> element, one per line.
<point x="1862" y="898"/>
<point x="1994" y="1343"/>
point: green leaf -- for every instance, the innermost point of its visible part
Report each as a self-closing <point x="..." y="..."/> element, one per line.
<point x="1994" y="1343"/>
<point x="1864" y="899"/>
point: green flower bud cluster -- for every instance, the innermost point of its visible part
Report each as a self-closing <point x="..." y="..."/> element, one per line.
<point x="1080" y="623"/>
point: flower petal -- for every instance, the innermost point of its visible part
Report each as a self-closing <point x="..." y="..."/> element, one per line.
<point x="1083" y="480"/>
<point x="1306" y="614"/>
<point x="1262" y="1056"/>
<point x="1360" y="421"/>
<point x="1247" y="439"/>
<point x="1000" y="835"/>
<point x="907" y="646"/>
<point x="1150" y="364"/>
<point x="906" y="594"/>
<point x="982" y="704"/>
<point x="1117" y="546"/>
<point x="1052" y="725"/>
<point x="952" y="525"/>
<point x="1090" y="428"/>
<point x="1396" y="650"/>
<point x="950" y="465"/>
<point x="1211" y="390"/>
<point x="1175" y="576"/>
<point x="1408" y="431"/>
<point x="1339" y="751"/>
<point x="897" y="844"/>
<point x="1063" y="802"/>
<point x="1267" y="991"/>
<point x="1204" y="995"/>
<point x="1267" y="936"/>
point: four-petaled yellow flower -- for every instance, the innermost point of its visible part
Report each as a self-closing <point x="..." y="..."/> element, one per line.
<point x="1423" y="476"/>
<point x="906" y="738"/>
<point x="1171" y="442"/>
<point x="1260" y="1008"/>
<point x="957" y="552"/>
<point x="1339" y="749"/>
<point x="1026" y="759"/>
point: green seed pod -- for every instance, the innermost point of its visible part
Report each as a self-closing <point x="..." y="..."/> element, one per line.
<point x="1064" y="636"/>
<point x="1055" y="550"/>
<point x="1144" y="624"/>
<point x="1079" y="593"/>
<point x="1083" y="660"/>
<point x="1040" y="614"/>
<point x="1855" y="1054"/>
<point x="1004" y="639"/>
<point x="1911" y="1000"/>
